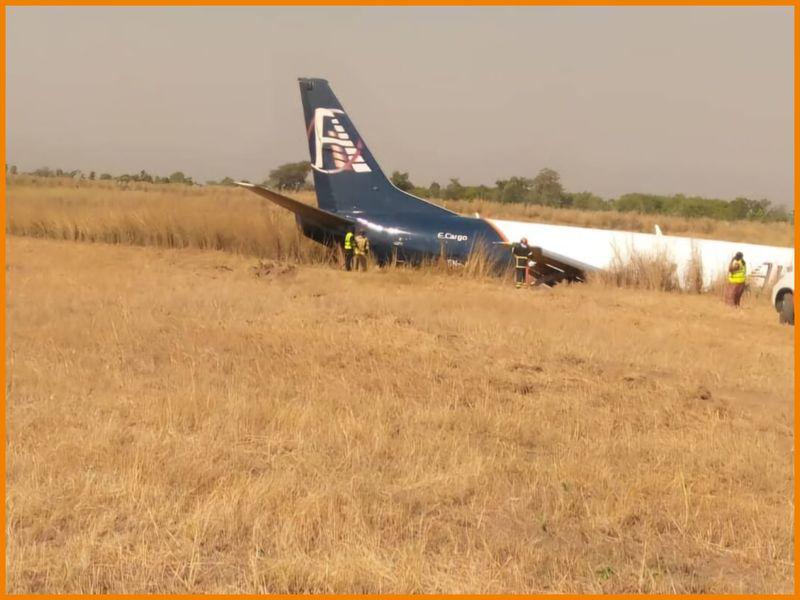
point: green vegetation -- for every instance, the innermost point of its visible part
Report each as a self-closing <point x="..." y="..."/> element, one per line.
<point x="289" y="176"/>
<point x="176" y="177"/>
<point x="402" y="181"/>
<point x="546" y="190"/>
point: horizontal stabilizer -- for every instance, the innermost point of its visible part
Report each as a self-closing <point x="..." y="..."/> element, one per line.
<point x="305" y="211"/>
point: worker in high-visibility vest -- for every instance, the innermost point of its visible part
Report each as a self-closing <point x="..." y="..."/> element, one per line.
<point x="737" y="277"/>
<point x="349" y="247"/>
<point x="522" y="254"/>
<point x="361" y="250"/>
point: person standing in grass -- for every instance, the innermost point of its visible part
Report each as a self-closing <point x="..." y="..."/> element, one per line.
<point x="522" y="254"/>
<point x="737" y="277"/>
<point x="361" y="250"/>
<point x="349" y="243"/>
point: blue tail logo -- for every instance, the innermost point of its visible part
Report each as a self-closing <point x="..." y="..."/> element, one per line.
<point x="334" y="149"/>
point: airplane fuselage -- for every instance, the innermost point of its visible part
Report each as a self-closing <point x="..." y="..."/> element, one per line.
<point x="414" y="238"/>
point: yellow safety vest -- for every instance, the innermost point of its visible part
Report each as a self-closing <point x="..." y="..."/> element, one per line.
<point x="348" y="241"/>
<point x="740" y="274"/>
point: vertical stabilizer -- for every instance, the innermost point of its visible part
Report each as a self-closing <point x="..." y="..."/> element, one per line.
<point x="347" y="177"/>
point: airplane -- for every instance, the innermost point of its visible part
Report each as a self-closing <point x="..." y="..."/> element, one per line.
<point x="353" y="193"/>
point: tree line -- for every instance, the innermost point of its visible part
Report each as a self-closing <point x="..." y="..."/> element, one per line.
<point x="176" y="177"/>
<point x="544" y="189"/>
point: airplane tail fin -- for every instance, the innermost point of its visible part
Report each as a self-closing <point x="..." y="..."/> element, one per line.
<point x="347" y="177"/>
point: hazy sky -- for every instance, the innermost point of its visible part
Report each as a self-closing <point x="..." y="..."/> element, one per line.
<point x="658" y="99"/>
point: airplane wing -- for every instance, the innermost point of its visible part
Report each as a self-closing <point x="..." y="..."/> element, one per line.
<point x="553" y="266"/>
<point x="305" y="211"/>
<point x="550" y="265"/>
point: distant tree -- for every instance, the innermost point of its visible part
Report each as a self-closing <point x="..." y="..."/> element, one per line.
<point x="402" y="181"/>
<point x="91" y="175"/>
<point x="546" y="188"/>
<point x="759" y="209"/>
<point x="178" y="177"/>
<point x="585" y="201"/>
<point x="473" y="192"/>
<point x="105" y="176"/>
<point x="454" y="189"/>
<point x="289" y="176"/>
<point x="435" y="190"/>
<point x="777" y="213"/>
<point x="420" y="192"/>
<point x="43" y="172"/>
<point x="226" y="181"/>
<point x="13" y="170"/>
<point x="515" y="189"/>
<point x="642" y="203"/>
<point x="738" y="209"/>
<point x="145" y="176"/>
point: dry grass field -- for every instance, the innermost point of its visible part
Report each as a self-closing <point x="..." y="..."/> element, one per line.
<point x="184" y="418"/>
<point x="179" y="421"/>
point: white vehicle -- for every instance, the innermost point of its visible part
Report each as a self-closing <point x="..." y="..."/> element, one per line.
<point x="783" y="298"/>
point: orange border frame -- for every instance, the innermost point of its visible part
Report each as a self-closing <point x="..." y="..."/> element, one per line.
<point x="620" y="3"/>
<point x="3" y="569"/>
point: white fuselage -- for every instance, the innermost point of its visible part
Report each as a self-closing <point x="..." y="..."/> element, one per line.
<point x="598" y="248"/>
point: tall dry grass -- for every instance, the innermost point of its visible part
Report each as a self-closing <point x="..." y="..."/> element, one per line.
<point x="180" y="423"/>
<point x="234" y="219"/>
<point x="168" y="216"/>
<point x="655" y="271"/>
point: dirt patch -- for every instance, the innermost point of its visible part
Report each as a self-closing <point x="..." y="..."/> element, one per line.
<point x="272" y="268"/>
